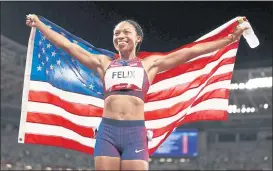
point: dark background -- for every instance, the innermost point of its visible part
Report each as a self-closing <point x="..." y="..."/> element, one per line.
<point x="167" y="25"/>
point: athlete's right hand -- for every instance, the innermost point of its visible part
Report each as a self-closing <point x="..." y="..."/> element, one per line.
<point x="32" y="20"/>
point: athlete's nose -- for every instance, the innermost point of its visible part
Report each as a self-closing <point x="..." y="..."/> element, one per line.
<point x="121" y="36"/>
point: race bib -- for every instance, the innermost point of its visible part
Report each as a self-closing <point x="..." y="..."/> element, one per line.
<point x="124" y="77"/>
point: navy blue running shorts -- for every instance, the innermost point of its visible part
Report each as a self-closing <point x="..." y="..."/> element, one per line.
<point x="126" y="139"/>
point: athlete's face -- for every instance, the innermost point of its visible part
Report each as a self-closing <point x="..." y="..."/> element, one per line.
<point x="125" y="37"/>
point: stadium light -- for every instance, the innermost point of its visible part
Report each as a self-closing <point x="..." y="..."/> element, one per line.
<point x="254" y="83"/>
<point x="248" y="109"/>
<point x="245" y="109"/>
<point x="182" y="160"/>
<point x="9" y="166"/>
<point x="48" y="168"/>
<point x="234" y="86"/>
<point x="169" y="160"/>
<point x="241" y="86"/>
<point x="28" y="167"/>
<point x="162" y="160"/>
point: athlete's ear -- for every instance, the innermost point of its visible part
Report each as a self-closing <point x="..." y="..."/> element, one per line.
<point x="139" y="39"/>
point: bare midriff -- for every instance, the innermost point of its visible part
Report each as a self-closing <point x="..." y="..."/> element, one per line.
<point x="123" y="107"/>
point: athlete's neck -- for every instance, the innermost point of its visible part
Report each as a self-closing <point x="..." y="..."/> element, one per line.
<point x="127" y="55"/>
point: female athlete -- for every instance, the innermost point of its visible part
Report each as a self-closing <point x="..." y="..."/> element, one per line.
<point x="121" y="142"/>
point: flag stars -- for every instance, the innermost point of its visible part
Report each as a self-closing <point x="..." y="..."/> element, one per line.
<point x="43" y="38"/>
<point x="47" y="72"/>
<point x="83" y="85"/>
<point x="49" y="26"/>
<point x="39" y="68"/>
<point x="59" y="62"/>
<point x="62" y="33"/>
<point x="51" y="67"/>
<point x="47" y="59"/>
<point x="43" y="63"/>
<point x="91" y="86"/>
<point x="39" y="55"/>
<point x="99" y="92"/>
<point x="48" y="45"/>
<point x="53" y="54"/>
<point x="40" y="42"/>
<point x="43" y="49"/>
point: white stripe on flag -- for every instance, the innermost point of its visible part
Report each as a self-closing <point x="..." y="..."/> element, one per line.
<point x="66" y="95"/>
<point x="58" y="111"/>
<point x="156" y="141"/>
<point x="202" y="56"/>
<point x="218" y="85"/>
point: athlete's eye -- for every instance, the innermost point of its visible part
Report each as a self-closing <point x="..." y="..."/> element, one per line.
<point x="127" y="32"/>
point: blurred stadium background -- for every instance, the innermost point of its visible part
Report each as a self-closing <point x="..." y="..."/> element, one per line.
<point x="243" y="142"/>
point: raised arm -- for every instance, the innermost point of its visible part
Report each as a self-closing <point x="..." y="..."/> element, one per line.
<point x="160" y="63"/>
<point x="93" y="61"/>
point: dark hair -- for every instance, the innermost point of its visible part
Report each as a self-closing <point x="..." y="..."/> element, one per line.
<point x="138" y="30"/>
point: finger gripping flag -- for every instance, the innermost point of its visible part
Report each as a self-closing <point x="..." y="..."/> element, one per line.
<point x="62" y="101"/>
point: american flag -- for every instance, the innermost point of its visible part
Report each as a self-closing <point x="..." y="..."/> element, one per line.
<point x="62" y="100"/>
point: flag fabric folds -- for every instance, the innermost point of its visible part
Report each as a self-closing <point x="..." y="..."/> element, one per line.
<point x="62" y="100"/>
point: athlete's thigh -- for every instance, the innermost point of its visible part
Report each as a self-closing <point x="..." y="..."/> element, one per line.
<point x="107" y="163"/>
<point x="134" y="165"/>
<point x="106" y="155"/>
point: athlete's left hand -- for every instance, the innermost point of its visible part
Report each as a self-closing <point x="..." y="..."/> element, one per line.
<point x="238" y="31"/>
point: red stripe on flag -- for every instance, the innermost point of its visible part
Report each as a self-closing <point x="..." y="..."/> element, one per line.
<point x="57" y="141"/>
<point x="205" y="115"/>
<point x="51" y="119"/>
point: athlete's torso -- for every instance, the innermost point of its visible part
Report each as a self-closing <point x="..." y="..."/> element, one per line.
<point x="125" y="86"/>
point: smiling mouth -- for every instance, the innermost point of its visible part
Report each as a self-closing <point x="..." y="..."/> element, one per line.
<point x="120" y="43"/>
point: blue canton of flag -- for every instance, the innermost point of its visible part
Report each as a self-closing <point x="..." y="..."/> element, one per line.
<point x="53" y="65"/>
